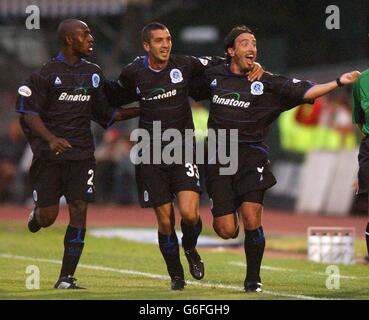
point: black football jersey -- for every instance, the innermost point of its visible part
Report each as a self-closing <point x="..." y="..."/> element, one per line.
<point x="66" y="97"/>
<point x="162" y="95"/>
<point x="250" y="107"/>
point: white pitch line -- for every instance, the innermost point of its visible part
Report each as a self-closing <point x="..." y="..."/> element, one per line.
<point x="242" y="264"/>
<point x="162" y="277"/>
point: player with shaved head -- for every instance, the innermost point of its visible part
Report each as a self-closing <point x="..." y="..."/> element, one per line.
<point x="56" y="106"/>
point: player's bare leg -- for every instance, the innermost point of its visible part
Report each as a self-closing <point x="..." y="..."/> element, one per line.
<point x="78" y="214"/>
<point x="42" y="217"/>
<point x="73" y="245"/>
<point x="168" y="244"/>
<point x="254" y="244"/>
<point x="191" y="225"/>
<point x="165" y="218"/>
<point x="188" y="206"/>
<point x="226" y="226"/>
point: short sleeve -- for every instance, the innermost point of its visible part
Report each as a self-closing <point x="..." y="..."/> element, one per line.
<point x="200" y="64"/>
<point x="291" y="90"/>
<point x="32" y="95"/>
<point x="358" y="116"/>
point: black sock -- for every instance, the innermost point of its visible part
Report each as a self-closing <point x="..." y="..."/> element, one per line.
<point x="254" y="250"/>
<point x="73" y="246"/>
<point x="190" y="234"/>
<point x="170" y="250"/>
<point x="367" y="237"/>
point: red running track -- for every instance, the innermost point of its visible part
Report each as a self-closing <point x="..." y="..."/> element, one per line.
<point x="274" y="221"/>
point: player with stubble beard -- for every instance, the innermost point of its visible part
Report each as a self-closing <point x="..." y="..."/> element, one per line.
<point x="250" y="107"/>
<point x="160" y="82"/>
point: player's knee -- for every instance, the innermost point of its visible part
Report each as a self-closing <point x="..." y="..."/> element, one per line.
<point x="47" y="216"/>
<point x="251" y="222"/>
<point x="190" y="220"/>
<point x="189" y="215"/>
<point x="166" y="227"/>
<point x="225" y="232"/>
<point x="47" y="221"/>
<point x="78" y="210"/>
<point x="78" y="207"/>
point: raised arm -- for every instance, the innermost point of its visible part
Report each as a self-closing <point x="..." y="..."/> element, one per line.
<point x="322" y="89"/>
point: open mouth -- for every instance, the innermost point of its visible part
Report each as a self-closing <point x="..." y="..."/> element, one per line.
<point x="250" y="58"/>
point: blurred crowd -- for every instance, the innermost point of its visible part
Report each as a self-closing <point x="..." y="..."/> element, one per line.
<point x="324" y="125"/>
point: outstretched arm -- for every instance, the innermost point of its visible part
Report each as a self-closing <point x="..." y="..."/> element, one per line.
<point x="322" y="89"/>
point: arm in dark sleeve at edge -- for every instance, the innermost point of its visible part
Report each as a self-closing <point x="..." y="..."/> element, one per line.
<point x="32" y="99"/>
<point x="117" y="94"/>
<point x="106" y="110"/>
<point x="199" y="88"/>
<point x="32" y="95"/>
<point x="121" y="91"/>
<point x="200" y="64"/>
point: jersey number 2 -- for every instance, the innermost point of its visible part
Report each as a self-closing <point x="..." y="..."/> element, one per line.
<point x="90" y="181"/>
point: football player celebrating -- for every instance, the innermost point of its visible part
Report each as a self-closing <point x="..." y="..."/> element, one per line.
<point x="249" y="107"/>
<point x="57" y="104"/>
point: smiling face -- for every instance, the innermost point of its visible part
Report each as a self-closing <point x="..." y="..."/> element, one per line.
<point x="243" y="53"/>
<point x="159" y="46"/>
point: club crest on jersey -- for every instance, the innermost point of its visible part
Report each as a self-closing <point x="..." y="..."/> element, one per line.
<point x="204" y="61"/>
<point x="257" y="88"/>
<point x="176" y="76"/>
<point x="95" y="80"/>
<point x="213" y="83"/>
<point x="57" y="81"/>
<point x="25" y="91"/>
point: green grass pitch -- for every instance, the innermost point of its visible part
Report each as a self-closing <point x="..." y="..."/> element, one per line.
<point x="117" y="269"/>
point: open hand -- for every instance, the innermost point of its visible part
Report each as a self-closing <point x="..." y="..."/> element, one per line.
<point x="59" y="145"/>
<point x="349" y="77"/>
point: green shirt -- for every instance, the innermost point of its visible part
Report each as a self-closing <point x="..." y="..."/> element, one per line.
<point x="360" y="102"/>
